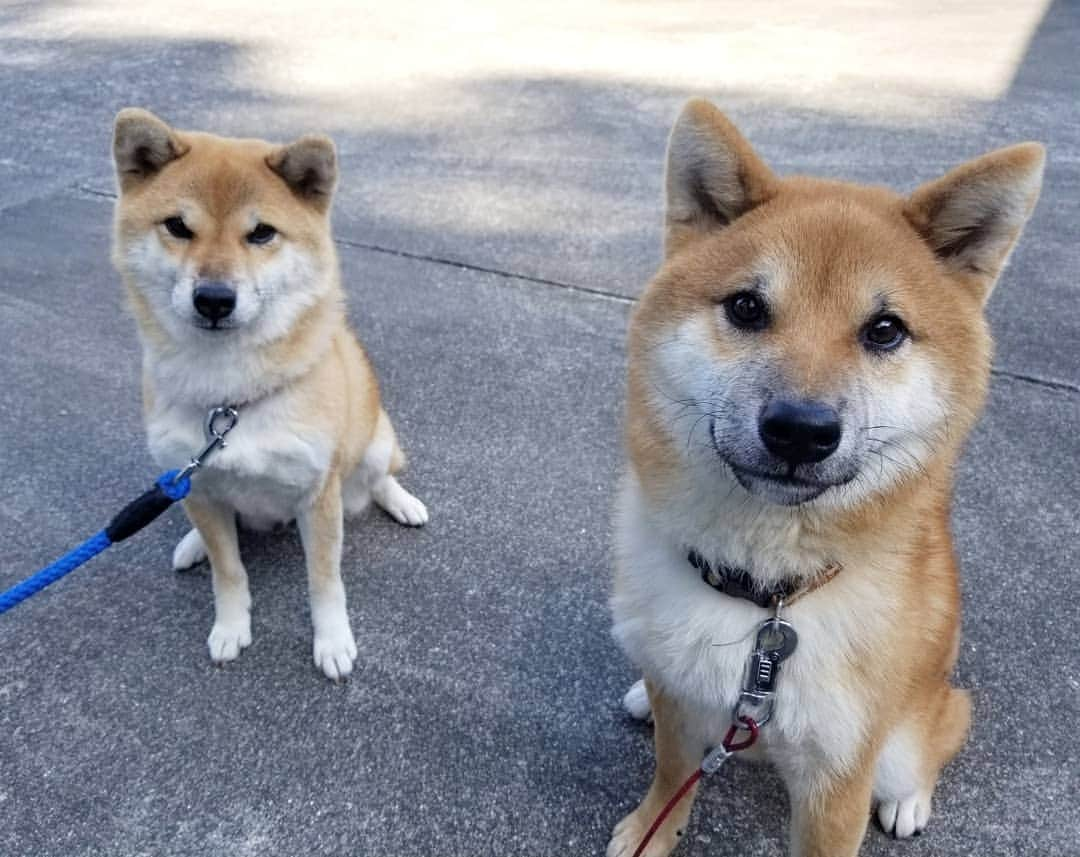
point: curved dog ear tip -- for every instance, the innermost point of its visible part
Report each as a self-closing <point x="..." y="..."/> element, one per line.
<point x="308" y="166"/>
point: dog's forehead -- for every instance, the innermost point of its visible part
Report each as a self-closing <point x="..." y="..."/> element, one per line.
<point x="837" y="254"/>
<point x="224" y="174"/>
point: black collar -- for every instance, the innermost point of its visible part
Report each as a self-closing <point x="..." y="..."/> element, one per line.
<point x="738" y="582"/>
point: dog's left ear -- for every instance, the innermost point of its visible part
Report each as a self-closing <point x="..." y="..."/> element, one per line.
<point x="972" y="216"/>
<point x="309" y="168"/>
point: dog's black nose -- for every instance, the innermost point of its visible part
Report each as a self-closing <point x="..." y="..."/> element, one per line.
<point x="214" y="300"/>
<point x="800" y="432"/>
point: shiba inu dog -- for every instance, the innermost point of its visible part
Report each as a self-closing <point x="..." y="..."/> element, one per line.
<point x="803" y="371"/>
<point x="227" y="259"/>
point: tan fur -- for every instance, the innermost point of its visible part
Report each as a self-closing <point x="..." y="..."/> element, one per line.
<point x="836" y="249"/>
<point x="307" y="394"/>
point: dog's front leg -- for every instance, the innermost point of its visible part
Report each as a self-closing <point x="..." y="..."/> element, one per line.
<point x="321" y="532"/>
<point x="678" y="754"/>
<point x="216" y="524"/>
<point x="829" y="814"/>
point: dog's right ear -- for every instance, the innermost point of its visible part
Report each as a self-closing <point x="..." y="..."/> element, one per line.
<point x="142" y="145"/>
<point x="713" y="175"/>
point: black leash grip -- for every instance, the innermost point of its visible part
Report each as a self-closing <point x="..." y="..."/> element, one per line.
<point x="137" y="514"/>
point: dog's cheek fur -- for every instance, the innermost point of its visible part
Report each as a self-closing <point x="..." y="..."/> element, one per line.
<point x="163" y="287"/>
<point x="284" y="287"/>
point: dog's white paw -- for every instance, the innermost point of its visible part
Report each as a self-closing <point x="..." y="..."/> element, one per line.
<point x="335" y="652"/>
<point x="402" y="506"/>
<point x="228" y="638"/>
<point x="628" y="833"/>
<point x="189" y="551"/>
<point x="905" y="818"/>
<point x="636" y="701"/>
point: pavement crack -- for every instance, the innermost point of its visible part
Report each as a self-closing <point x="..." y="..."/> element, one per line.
<point x="1060" y="386"/>
<point x="440" y="260"/>
<point x="468" y="266"/>
<point x="90" y="191"/>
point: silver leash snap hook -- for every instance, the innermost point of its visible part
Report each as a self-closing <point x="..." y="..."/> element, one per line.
<point x="219" y="422"/>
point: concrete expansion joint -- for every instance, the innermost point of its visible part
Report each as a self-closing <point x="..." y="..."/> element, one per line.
<point x="587" y="291"/>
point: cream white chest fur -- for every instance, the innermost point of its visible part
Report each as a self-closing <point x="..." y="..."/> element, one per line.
<point x="694" y="642"/>
<point x="270" y="467"/>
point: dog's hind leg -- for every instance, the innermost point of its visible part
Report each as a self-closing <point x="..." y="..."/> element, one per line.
<point x="189" y="551"/>
<point x="911" y="761"/>
<point x="636" y="701"/>
<point x="374" y="479"/>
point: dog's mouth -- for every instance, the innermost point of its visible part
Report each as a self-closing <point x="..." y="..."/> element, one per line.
<point x="219" y="325"/>
<point x="786" y="489"/>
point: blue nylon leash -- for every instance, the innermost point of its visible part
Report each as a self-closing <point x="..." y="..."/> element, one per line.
<point x="170" y="487"/>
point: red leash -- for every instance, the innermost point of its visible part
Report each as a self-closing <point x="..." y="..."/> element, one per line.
<point x="711" y="763"/>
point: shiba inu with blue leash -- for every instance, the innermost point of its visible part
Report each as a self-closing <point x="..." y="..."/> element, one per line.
<point x="229" y="267"/>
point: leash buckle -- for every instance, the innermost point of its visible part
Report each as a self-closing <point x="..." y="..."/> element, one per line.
<point x="219" y="422"/>
<point x="715" y="759"/>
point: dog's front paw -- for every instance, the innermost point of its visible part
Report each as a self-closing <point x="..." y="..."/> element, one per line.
<point x="905" y="818"/>
<point x="228" y="638"/>
<point x="628" y="833"/>
<point x="335" y="652"/>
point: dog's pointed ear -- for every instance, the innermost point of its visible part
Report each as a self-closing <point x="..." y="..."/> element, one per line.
<point x="309" y="168"/>
<point x="713" y="175"/>
<point x="142" y="145"/>
<point x="972" y="216"/>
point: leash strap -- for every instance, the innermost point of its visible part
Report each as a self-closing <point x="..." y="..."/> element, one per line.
<point x="169" y="488"/>
<point x="711" y="764"/>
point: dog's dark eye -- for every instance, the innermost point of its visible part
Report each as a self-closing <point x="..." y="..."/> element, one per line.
<point x="747" y="310"/>
<point x="261" y="234"/>
<point x="177" y="228"/>
<point x="884" y="333"/>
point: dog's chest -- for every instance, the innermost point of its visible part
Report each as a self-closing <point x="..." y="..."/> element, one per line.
<point x="696" y="643"/>
<point x="267" y="469"/>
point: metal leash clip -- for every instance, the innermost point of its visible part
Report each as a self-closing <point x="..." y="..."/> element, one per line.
<point x="715" y="759"/>
<point x="219" y="422"/>
<point x="776" y="642"/>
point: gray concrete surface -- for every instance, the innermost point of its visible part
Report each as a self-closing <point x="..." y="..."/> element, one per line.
<point x="500" y="160"/>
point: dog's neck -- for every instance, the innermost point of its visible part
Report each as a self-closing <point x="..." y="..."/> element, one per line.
<point x="778" y="544"/>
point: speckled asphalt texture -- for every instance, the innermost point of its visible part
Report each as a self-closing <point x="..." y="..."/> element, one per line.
<point x="499" y="210"/>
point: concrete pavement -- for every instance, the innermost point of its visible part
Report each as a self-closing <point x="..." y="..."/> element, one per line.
<point x="499" y="210"/>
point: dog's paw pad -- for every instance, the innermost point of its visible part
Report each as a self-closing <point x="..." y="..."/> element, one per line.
<point x="636" y="701"/>
<point x="905" y="818"/>
<point x="228" y="639"/>
<point x="189" y="551"/>
<point x="335" y="654"/>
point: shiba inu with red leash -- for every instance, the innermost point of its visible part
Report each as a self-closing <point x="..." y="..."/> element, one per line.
<point x="229" y="266"/>
<point x="803" y="371"/>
